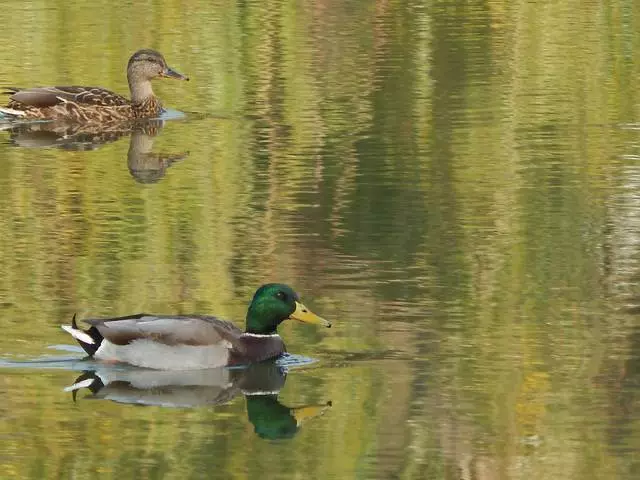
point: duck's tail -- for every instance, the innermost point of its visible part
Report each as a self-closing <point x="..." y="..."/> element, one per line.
<point x="90" y="380"/>
<point x="89" y="340"/>
<point x="7" y="113"/>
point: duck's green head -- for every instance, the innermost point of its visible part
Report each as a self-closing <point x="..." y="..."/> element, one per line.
<point x="272" y="304"/>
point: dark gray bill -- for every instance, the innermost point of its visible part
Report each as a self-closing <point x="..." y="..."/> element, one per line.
<point x="171" y="73"/>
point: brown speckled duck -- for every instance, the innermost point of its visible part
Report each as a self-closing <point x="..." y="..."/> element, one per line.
<point x="183" y="342"/>
<point x="95" y="104"/>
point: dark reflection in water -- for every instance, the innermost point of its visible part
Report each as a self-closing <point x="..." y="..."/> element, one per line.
<point x="260" y="384"/>
<point x="145" y="165"/>
<point x="623" y="385"/>
<point x="446" y="180"/>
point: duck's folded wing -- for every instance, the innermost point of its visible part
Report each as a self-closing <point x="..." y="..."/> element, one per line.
<point x="42" y="97"/>
<point x="166" y="329"/>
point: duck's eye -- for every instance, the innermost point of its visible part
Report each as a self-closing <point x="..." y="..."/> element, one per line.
<point x="281" y="296"/>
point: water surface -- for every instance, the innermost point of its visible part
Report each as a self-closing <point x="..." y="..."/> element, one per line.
<point x="454" y="185"/>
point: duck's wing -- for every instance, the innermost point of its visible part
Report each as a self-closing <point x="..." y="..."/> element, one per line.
<point x="42" y="97"/>
<point x="195" y="330"/>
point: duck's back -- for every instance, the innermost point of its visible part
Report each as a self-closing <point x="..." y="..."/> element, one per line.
<point x="43" y="97"/>
<point x="73" y="104"/>
<point x="193" y="330"/>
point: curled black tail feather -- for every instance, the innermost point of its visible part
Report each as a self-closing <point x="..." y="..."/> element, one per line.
<point x="93" y="332"/>
<point x="94" y="387"/>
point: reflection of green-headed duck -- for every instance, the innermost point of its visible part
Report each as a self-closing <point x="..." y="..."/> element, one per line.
<point x="95" y="104"/>
<point x="182" y="342"/>
<point x="272" y="420"/>
<point x="260" y="383"/>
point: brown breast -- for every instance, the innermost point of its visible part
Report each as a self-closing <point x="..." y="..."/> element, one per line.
<point x="249" y="348"/>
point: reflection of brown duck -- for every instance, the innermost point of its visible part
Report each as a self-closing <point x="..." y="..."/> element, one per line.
<point x="145" y="165"/>
<point x="72" y="136"/>
<point x="259" y="383"/>
<point x="95" y="104"/>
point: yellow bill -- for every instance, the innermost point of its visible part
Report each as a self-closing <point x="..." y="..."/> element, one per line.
<point x="303" y="314"/>
<point x="302" y="414"/>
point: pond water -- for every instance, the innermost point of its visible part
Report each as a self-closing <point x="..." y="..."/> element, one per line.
<point x="455" y="185"/>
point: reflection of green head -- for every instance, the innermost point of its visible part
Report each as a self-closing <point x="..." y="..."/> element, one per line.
<point x="273" y="421"/>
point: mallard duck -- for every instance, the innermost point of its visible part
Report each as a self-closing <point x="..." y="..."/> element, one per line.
<point x="95" y="104"/>
<point x="182" y="342"/>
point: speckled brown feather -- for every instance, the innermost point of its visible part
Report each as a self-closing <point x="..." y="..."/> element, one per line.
<point x="81" y="104"/>
<point x="42" y="97"/>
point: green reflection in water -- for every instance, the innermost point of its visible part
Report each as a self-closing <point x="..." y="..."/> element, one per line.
<point x="453" y="185"/>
